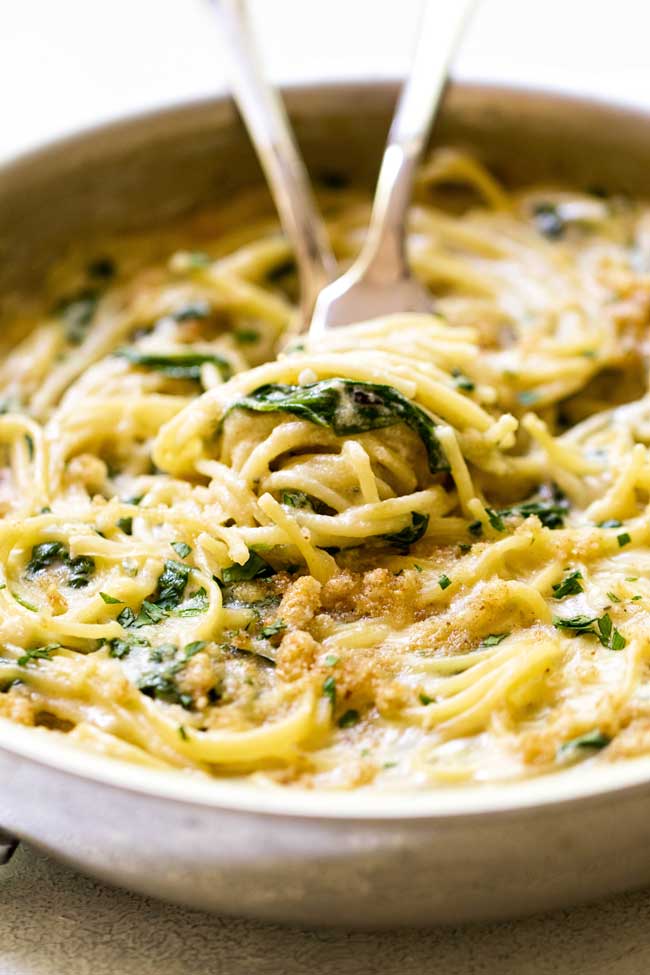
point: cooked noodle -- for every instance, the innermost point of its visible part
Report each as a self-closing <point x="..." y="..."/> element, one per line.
<point x="416" y="553"/>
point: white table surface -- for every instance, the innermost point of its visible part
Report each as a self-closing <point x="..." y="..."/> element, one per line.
<point x="69" y="63"/>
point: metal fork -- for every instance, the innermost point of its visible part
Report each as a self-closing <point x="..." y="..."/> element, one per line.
<point x="380" y="281"/>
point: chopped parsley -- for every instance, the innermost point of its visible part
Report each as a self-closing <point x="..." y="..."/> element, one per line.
<point x="444" y="581"/>
<point x="623" y="539"/>
<point x="46" y="554"/>
<point x="182" y="549"/>
<point x="403" y="539"/>
<point x="125" y="525"/>
<point x="329" y="689"/>
<point x="273" y="629"/>
<point x="493" y="639"/>
<point x="38" y="653"/>
<point x="350" y="718"/>
<point x="425" y="699"/>
<point x="571" y="585"/>
<point x="246" y="336"/>
<point x="254" y="568"/>
<point x="331" y="660"/>
<point x="495" y="519"/>
<point x="604" y="629"/>
<point x="590" y="740"/>
<point x="110" y="599"/>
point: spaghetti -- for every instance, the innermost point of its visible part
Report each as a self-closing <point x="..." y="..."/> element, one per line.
<point x="415" y="554"/>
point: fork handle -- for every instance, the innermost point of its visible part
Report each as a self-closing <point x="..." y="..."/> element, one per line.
<point x="440" y="29"/>
<point x="270" y="131"/>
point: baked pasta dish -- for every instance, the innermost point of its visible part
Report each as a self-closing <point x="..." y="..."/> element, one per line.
<point x="416" y="553"/>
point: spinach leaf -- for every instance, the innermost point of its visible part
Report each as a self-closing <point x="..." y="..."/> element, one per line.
<point x="176" y="365"/>
<point x="409" y="535"/>
<point x="348" y="407"/>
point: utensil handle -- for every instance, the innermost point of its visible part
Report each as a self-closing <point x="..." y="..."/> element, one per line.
<point x="7" y="846"/>
<point x="270" y="131"/>
<point x="440" y="29"/>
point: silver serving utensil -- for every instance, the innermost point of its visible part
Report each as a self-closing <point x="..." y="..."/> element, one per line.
<point x="268" y="126"/>
<point x="380" y="281"/>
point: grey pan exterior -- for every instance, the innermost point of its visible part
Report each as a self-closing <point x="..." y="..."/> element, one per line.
<point x="359" y="860"/>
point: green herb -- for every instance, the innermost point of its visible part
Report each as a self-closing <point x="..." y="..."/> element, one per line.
<point x="551" y="512"/>
<point x="418" y="568"/>
<point x="246" y="336"/>
<point x="167" y="662"/>
<point x="296" y="499"/>
<point x="613" y="597"/>
<point x="348" y="719"/>
<point x="110" y="599"/>
<point x="495" y="519"/>
<point x="608" y="635"/>
<point x="462" y="381"/>
<point x="254" y="568"/>
<point x="182" y="733"/>
<point x="591" y="739"/>
<point x="329" y="689"/>
<point x="125" y="525"/>
<point x="273" y="629"/>
<point x="127" y="617"/>
<point x="636" y="598"/>
<point x="549" y="220"/>
<point x="77" y="313"/>
<point x="122" y="648"/>
<point x="39" y="653"/>
<point x="182" y="549"/>
<point x="44" y="555"/>
<point x="475" y="528"/>
<point x="444" y="581"/>
<point x="80" y="570"/>
<point x="176" y="365"/>
<point x="195" y="604"/>
<point x="493" y="639"/>
<point x="425" y="699"/>
<point x="171" y="584"/>
<point x="191" y="649"/>
<point x="610" y="523"/>
<point x="571" y="585"/>
<point x="24" y="603"/>
<point x="331" y="660"/>
<point x="464" y="548"/>
<point x="403" y="539"/>
<point x="623" y="539"/>
<point x="150" y="613"/>
<point x="348" y="408"/>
